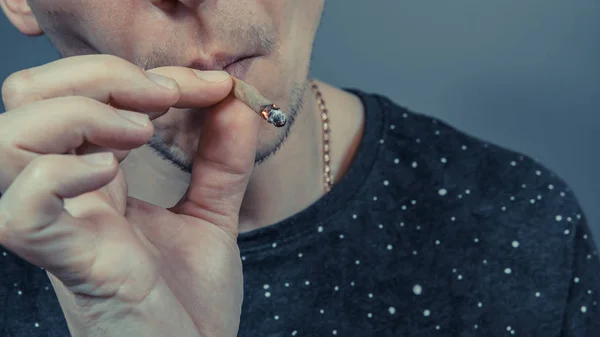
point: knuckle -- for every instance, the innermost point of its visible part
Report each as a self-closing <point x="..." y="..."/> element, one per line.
<point x="41" y="169"/>
<point x="15" y="87"/>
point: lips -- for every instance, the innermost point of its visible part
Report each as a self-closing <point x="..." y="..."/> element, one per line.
<point x="236" y="66"/>
<point x="240" y="67"/>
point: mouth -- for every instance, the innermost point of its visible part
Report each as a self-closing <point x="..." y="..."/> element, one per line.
<point x="237" y="66"/>
<point x="240" y="67"/>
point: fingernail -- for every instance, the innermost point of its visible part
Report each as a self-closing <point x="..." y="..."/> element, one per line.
<point x="214" y="76"/>
<point x="136" y="117"/>
<point x="163" y="81"/>
<point x="101" y="158"/>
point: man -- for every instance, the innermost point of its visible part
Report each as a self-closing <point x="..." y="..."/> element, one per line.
<point x="358" y="218"/>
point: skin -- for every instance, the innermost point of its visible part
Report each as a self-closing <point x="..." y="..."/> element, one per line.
<point x="120" y="261"/>
<point x="142" y="32"/>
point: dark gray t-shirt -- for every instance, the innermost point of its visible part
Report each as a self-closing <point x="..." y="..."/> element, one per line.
<point x="431" y="232"/>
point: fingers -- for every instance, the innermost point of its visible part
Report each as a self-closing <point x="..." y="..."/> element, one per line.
<point x="223" y="165"/>
<point x="33" y="222"/>
<point x="109" y="79"/>
<point x="68" y="123"/>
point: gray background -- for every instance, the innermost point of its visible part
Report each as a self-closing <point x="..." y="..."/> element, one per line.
<point x="524" y="74"/>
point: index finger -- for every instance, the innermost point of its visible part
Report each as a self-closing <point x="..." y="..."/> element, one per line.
<point x="112" y="80"/>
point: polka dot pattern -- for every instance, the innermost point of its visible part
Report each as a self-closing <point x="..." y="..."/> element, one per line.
<point x="432" y="232"/>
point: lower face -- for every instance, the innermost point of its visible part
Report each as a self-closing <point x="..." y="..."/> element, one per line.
<point x="278" y="33"/>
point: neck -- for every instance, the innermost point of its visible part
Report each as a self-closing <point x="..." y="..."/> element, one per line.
<point x="283" y="185"/>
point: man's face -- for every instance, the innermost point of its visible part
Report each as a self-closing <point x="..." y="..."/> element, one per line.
<point x="277" y="34"/>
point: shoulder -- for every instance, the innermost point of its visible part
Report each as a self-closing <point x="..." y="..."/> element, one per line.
<point x="520" y="208"/>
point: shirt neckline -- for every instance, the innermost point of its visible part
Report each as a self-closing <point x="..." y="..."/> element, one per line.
<point x="307" y="220"/>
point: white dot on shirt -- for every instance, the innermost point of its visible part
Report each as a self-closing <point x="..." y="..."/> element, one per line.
<point x="444" y="160"/>
<point x="276" y="317"/>
<point x="403" y="207"/>
<point x="414" y="202"/>
<point x="585" y="236"/>
<point x="380" y="226"/>
<point x="426" y="313"/>
<point x="584" y="309"/>
<point x="4" y="253"/>
<point x="357" y="261"/>
<point x="369" y="315"/>
<point x="266" y="286"/>
<point x="459" y="277"/>
<point x="551" y="187"/>
<point x="476" y="240"/>
<point x="267" y="294"/>
<point x="294" y="333"/>
<point x="396" y="161"/>
<point x="322" y="311"/>
<point x="336" y="288"/>
<point x="454" y="270"/>
<point x="558" y="217"/>
<point x="243" y="258"/>
<point x="307" y="282"/>
<point x="385" y="182"/>
<point x="334" y="332"/>
<point x="320" y="229"/>
<point x="452" y="218"/>
<point x="341" y="236"/>
<point x="389" y="247"/>
<point x="567" y="232"/>
<point x="480" y="304"/>
<point x="19" y="292"/>
<point x="417" y="289"/>
<point x="352" y="283"/>
<point x="576" y="280"/>
<point x="370" y="295"/>
<point x="507" y="271"/>
<point x="392" y="127"/>
<point x="414" y="164"/>
<point x="437" y="327"/>
<point x="353" y="216"/>
<point x="515" y="244"/>
<point x="442" y="192"/>
<point x="37" y="325"/>
<point x="508" y="328"/>
<point x="392" y="310"/>
<point x="512" y="198"/>
<point x="484" y="261"/>
<point x="589" y="291"/>
<point x="513" y="163"/>
<point x="537" y="294"/>
<point x="538" y="172"/>
<point x="381" y="141"/>
<point x="418" y="228"/>
<point x="287" y="284"/>
<point x="274" y="244"/>
<point x="464" y="147"/>
<point x="299" y="254"/>
<point x="562" y="194"/>
<point x="437" y="132"/>
<point x="414" y="252"/>
<point x="503" y="208"/>
<point x="523" y="186"/>
<point x="467" y="191"/>
<point x="374" y="198"/>
<point x="437" y="242"/>
<point x="532" y="201"/>
<point x="539" y="197"/>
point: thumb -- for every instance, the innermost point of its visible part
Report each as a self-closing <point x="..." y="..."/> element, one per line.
<point x="222" y="166"/>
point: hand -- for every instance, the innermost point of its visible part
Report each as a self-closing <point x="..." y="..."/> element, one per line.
<point x="120" y="266"/>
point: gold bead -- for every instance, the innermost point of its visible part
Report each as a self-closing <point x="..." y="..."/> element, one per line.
<point x="327" y="169"/>
<point x="326" y="158"/>
<point x="326" y="136"/>
<point x="326" y="147"/>
<point x="326" y="126"/>
<point x="324" y="117"/>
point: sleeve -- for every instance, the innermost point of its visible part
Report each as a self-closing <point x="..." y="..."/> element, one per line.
<point x="582" y="310"/>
